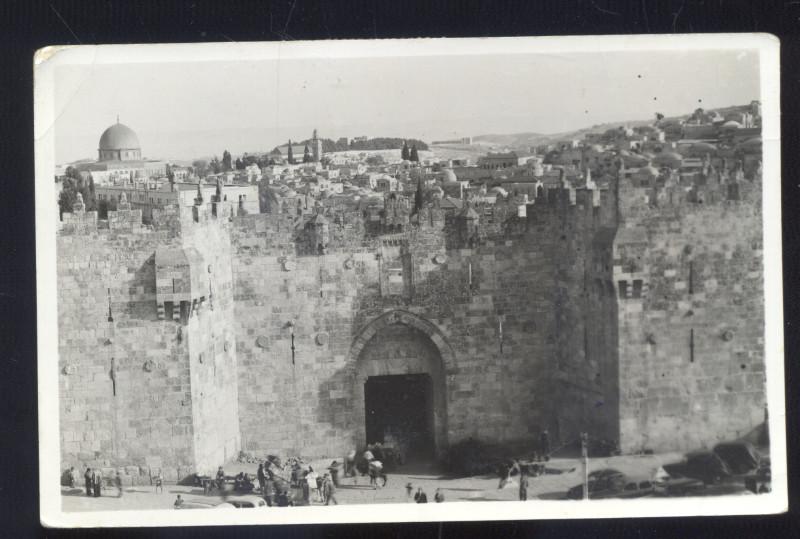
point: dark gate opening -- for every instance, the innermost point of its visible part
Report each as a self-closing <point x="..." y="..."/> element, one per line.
<point x="399" y="411"/>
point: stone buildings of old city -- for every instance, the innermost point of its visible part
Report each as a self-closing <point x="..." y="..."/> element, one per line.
<point x="619" y="293"/>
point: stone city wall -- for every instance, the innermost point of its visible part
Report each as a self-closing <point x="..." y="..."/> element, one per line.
<point x="689" y="279"/>
<point x="128" y="388"/>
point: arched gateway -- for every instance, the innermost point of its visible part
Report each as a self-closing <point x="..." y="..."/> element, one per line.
<point x="401" y="363"/>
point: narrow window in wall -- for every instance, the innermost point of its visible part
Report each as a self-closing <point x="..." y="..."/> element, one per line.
<point x="623" y="290"/>
<point x="637" y="288"/>
<point x="691" y="345"/>
<point x="691" y="277"/>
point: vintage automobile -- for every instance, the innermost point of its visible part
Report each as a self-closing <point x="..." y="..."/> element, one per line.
<point x="246" y="502"/>
<point x="737" y="462"/>
<point x="611" y="483"/>
<point x="189" y="504"/>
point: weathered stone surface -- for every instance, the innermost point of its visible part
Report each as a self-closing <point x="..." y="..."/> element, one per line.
<point x="554" y="320"/>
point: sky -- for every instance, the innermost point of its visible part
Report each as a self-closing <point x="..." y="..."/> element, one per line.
<point x="182" y="111"/>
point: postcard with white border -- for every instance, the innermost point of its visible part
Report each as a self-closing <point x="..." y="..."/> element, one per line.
<point x="451" y="279"/>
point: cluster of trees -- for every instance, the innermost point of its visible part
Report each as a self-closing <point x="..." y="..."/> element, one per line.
<point x="409" y="155"/>
<point x="378" y="143"/>
<point x="73" y="184"/>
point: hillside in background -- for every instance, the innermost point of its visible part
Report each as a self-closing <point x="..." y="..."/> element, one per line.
<point x="524" y="141"/>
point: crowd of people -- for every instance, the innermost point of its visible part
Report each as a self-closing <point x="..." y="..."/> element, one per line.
<point x="93" y="481"/>
<point x="277" y="489"/>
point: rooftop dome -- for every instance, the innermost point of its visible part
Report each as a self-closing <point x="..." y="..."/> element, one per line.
<point x="731" y="124"/>
<point x="671" y="159"/>
<point x="449" y="176"/>
<point x="702" y="148"/>
<point x="119" y="137"/>
<point x="752" y="145"/>
<point x="647" y="172"/>
<point x="119" y="143"/>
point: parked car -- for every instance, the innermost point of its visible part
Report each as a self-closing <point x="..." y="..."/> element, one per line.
<point x="246" y="502"/>
<point x="705" y="466"/>
<point x="195" y="505"/>
<point x="611" y="483"/>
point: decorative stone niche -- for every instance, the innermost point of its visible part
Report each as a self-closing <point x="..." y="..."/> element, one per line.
<point x="69" y="370"/>
<point x="322" y="339"/>
<point x="727" y="335"/>
<point x="149" y="365"/>
<point x="439" y="259"/>
<point x="262" y="341"/>
<point x="349" y="263"/>
<point x="287" y="264"/>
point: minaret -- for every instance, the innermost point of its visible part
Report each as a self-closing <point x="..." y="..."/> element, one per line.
<point x="316" y="147"/>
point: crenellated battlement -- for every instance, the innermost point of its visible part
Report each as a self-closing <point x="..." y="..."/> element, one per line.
<point x="173" y="219"/>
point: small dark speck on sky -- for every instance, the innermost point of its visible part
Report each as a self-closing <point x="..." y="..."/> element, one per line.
<point x="638" y="76"/>
<point x="655" y="99"/>
<point x="699" y="100"/>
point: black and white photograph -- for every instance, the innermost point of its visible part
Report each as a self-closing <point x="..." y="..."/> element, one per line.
<point x="447" y="279"/>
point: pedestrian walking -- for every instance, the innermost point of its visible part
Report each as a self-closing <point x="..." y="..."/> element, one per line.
<point x="178" y="501"/>
<point x="310" y="484"/>
<point x="438" y="497"/>
<point x="71" y="477"/>
<point x="87" y="478"/>
<point x="523" y="487"/>
<point x="420" y="496"/>
<point x="159" y="481"/>
<point x="409" y="489"/>
<point x="329" y="490"/>
<point x="118" y="484"/>
<point x="503" y="470"/>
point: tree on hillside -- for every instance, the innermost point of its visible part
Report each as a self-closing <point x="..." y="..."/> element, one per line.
<point x="226" y="161"/>
<point x="659" y="117"/>
<point x="216" y="166"/>
<point x="414" y="156"/>
<point x="307" y="155"/>
<point x="289" y="156"/>
<point x="404" y="152"/>
<point x="200" y="168"/>
<point x="240" y="164"/>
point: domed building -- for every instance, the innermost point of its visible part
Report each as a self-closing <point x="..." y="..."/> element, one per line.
<point x="119" y="159"/>
<point x="119" y="143"/>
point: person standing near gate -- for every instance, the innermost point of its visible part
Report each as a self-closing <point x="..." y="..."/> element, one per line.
<point x="544" y="444"/>
<point x="87" y="478"/>
<point x="261" y="477"/>
<point x="97" y="482"/>
<point x="523" y="486"/>
<point x="118" y="484"/>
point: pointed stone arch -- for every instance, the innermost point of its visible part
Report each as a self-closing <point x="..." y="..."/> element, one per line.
<point x="400" y="316"/>
<point x="438" y="367"/>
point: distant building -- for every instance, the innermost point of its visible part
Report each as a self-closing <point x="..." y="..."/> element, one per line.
<point x="119" y="156"/>
<point x="493" y="161"/>
<point x="314" y="147"/>
<point x="151" y="194"/>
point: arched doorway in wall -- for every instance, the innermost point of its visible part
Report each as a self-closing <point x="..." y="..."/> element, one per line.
<point x="400" y="389"/>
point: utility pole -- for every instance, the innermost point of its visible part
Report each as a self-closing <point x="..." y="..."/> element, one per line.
<point x="585" y="462"/>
